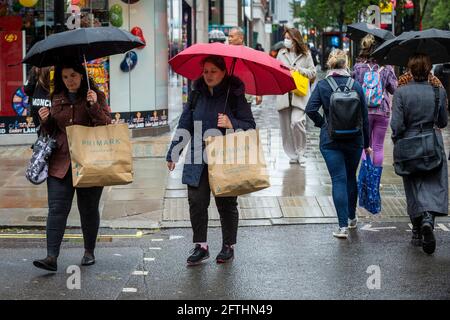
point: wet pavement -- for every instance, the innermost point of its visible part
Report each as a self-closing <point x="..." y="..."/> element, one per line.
<point x="156" y="198"/>
<point x="285" y="247"/>
<point x="281" y="262"/>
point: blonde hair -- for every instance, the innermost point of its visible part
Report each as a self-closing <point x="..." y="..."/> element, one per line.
<point x="367" y="46"/>
<point x="337" y="59"/>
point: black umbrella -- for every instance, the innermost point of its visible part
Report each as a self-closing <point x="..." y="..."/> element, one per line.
<point x="277" y="46"/>
<point x="357" y="31"/>
<point x="80" y="45"/>
<point x="432" y="42"/>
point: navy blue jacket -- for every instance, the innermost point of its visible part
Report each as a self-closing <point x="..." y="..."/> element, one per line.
<point x="207" y="109"/>
<point x="320" y="97"/>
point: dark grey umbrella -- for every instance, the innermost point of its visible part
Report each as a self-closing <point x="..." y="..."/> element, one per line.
<point x="357" y="31"/>
<point x="277" y="46"/>
<point x="432" y="42"/>
<point x="80" y="44"/>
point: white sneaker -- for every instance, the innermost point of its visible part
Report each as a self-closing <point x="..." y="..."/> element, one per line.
<point x="341" y="233"/>
<point x="301" y="159"/>
<point x="292" y="161"/>
<point x="352" y="223"/>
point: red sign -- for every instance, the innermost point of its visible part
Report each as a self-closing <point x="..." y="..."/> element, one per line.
<point x="11" y="77"/>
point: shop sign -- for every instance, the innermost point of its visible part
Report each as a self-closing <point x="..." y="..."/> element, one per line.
<point x="11" y="37"/>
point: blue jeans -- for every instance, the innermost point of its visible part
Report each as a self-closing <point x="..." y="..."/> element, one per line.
<point x="342" y="162"/>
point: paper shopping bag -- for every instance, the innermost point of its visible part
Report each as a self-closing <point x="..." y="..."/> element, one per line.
<point x="236" y="164"/>
<point x="101" y="156"/>
<point x="301" y="82"/>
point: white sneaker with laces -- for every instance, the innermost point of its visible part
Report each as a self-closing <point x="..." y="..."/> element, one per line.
<point x="352" y="223"/>
<point x="341" y="233"/>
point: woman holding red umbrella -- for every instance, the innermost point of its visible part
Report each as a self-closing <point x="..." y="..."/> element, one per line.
<point x="217" y="102"/>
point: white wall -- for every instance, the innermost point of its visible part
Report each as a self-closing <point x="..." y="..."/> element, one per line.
<point x="230" y="14"/>
<point x="145" y="87"/>
<point x="283" y="11"/>
<point x="202" y="12"/>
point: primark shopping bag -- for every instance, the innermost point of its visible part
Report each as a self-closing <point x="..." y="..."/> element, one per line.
<point x="101" y="156"/>
<point x="236" y="164"/>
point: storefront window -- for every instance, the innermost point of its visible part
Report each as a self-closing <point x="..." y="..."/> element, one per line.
<point x="140" y="93"/>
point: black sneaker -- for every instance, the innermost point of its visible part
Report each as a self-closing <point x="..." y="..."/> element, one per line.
<point x="48" y="264"/>
<point x="198" y="254"/>
<point x="88" y="259"/>
<point x="227" y="254"/>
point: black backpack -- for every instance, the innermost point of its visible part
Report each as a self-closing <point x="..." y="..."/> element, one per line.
<point x="344" y="119"/>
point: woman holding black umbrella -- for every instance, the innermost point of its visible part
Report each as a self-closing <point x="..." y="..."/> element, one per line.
<point x="72" y="103"/>
<point x="414" y="112"/>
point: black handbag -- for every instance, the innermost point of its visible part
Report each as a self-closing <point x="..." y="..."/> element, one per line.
<point x="37" y="170"/>
<point x="421" y="153"/>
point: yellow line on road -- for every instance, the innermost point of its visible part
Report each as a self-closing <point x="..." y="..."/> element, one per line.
<point x="138" y="234"/>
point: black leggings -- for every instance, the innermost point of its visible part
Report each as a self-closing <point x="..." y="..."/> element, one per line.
<point x="60" y="197"/>
<point x="199" y="199"/>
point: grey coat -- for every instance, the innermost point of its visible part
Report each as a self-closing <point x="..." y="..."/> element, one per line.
<point x="413" y="104"/>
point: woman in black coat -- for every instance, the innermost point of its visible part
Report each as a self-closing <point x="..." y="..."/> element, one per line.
<point x="38" y="90"/>
<point x="207" y="110"/>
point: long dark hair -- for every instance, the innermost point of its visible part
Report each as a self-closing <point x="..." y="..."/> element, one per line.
<point x="61" y="87"/>
<point x="299" y="45"/>
<point x="420" y="66"/>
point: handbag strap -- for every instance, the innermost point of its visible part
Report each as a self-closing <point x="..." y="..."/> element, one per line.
<point x="436" y="105"/>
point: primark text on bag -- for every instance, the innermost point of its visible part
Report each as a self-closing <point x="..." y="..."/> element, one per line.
<point x="101" y="156"/>
<point x="236" y="164"/>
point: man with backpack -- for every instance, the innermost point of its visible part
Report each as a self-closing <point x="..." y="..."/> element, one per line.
<point x="344" y="132"/>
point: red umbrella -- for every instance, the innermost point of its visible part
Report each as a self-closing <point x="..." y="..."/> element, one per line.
<point x="261" y="74"/>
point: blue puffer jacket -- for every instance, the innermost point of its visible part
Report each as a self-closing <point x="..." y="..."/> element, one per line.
<point x="205" y="116"/>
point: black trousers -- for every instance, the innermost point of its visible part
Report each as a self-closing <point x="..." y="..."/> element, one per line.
<point x="60" y="198"/>
<point x="199" y="200"/>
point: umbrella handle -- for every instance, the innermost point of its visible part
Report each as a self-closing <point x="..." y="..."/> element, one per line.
<point x="87" y="75"/>
<point x="233" y="64"/>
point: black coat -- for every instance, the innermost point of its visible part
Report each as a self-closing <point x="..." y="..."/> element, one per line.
<point x="207" y="108"/>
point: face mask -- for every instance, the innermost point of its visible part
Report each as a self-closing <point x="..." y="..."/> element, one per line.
<point x="288" y="43"/>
